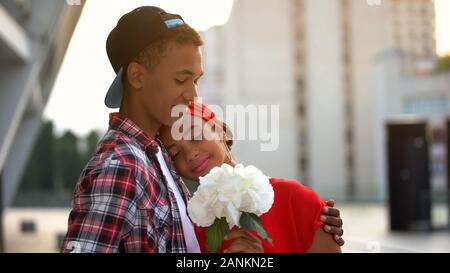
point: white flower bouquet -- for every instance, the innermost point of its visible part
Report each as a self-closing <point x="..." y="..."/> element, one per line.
<point x="228" y="197"/>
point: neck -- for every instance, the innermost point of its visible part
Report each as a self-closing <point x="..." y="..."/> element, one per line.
<point x="131" y="108"/>
<point x="231" y="162"/>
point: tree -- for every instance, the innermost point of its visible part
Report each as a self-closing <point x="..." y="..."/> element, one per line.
<point x="91" y="143"/>
<point x="55" y="164"/>
<point x="443" y="64"/>
<point x="69" y="161"/>
<point x="39" y="173"/>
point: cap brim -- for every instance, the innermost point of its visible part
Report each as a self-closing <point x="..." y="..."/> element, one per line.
<point x="114" y="96"/>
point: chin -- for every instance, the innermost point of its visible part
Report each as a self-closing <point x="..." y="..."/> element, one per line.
<point x="169" y="121"/>
<point x="205" y="172"/>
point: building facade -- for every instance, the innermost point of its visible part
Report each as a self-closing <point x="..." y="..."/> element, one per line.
<point x="34" y="36"/>
<point x="316" y="60"/>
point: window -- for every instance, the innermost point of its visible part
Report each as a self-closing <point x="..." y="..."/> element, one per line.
<point x="425" y="105"/>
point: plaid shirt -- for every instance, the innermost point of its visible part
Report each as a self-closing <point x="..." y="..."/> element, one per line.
<point x="122" y="201"/>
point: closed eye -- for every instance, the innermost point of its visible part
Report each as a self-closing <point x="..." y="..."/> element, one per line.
<point x="174" y="157"/>
<point x="173" y="150"/>
<point x="180" y="82"/>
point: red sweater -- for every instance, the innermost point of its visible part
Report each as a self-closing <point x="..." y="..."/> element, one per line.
<point x="291" y="222"/>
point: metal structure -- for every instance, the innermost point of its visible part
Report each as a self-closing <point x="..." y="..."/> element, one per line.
<point x="34" y="36"/>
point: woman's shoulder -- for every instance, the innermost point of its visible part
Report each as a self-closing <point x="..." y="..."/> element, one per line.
<point x="285" y="186"/>
<point x="301" y="208"/>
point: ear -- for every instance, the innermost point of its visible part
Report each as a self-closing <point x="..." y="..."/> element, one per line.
<point x="227" y="135"/>
<point x="136" y="75"/>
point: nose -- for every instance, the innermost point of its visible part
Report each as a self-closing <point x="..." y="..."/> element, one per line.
<point x="191" y="93"/>
<point x="191" y="154"/>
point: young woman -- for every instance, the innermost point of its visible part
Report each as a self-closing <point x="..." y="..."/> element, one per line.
<point x="294" y="220"/>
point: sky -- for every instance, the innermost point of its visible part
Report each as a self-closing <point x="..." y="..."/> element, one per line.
<point x="443" y="26"/>
<point x="76" y="102"/>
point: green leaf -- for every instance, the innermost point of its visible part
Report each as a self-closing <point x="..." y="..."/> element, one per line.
<point x="251" y="221"/>
<point x="216" y="233"/>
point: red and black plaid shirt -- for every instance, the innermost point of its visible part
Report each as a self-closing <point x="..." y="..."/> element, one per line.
<point x="122" y="202"/>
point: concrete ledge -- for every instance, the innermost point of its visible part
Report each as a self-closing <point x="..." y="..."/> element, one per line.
<point x="14" y="36"/>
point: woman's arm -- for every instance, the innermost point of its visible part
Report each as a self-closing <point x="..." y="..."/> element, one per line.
<point x="324" y="243"/>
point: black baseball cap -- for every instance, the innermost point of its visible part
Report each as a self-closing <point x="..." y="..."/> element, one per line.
<point x="133" y="33"/>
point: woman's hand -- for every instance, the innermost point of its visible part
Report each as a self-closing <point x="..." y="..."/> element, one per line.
<point x="333" y="222"/>
<point x="243" y="242"/>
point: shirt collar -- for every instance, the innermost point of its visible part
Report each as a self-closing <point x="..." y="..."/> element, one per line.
<point x="126" y="126"/>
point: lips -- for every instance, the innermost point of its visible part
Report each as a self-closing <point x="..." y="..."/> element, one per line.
<point x="201" y="165"/>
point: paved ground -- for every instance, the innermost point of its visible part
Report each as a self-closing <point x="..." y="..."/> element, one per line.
<point x="366" y="230"/>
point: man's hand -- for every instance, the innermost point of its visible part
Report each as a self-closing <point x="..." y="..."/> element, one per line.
<point x="244" y="242"/>
<point x="333" y="222"/>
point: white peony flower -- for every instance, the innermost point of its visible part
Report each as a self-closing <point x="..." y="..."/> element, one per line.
<point x="227" y="192"/>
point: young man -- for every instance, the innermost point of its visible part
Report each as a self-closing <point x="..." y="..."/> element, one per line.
<point x="129" y="198"/>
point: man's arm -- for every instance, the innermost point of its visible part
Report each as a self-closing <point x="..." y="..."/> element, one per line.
<point x="104" y="210"/>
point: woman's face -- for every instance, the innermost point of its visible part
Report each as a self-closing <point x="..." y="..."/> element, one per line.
<point x="196" y="156"/>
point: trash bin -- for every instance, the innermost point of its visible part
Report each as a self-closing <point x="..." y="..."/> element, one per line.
<point x="408" y="176"/>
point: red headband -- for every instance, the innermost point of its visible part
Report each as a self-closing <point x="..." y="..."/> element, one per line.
<point x="201" y="110"/>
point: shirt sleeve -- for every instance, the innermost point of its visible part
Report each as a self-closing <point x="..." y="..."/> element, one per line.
<point x="307" y="207"/>
<point x="103" y="211"/>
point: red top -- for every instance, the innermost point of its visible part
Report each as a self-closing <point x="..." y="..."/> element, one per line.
<point x="291" y="222"/>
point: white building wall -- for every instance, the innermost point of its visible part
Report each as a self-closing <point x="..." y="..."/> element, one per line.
<point x="259" y="70"/>
<point x="325" y="97"/>
<point x="212" y="83"/>
<point x="369" y="37"/>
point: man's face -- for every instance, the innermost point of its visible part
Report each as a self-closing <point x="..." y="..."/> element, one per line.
<point x="173" y="81"/>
